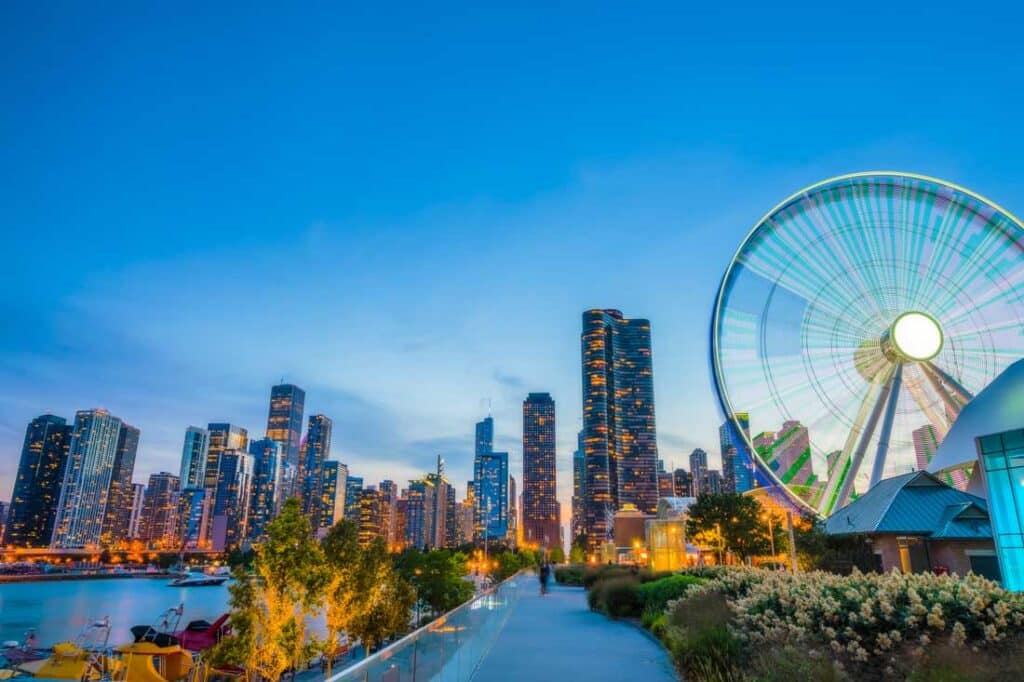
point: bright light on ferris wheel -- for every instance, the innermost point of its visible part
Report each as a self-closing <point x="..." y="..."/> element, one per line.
<point x="917" y="336"/>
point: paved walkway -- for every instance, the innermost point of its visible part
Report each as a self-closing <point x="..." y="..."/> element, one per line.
<point x="557" y="637"/>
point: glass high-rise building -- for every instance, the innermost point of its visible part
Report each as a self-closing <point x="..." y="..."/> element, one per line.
<point x="540" y="501"/>
<point x="193" y="457"/>
<point x="332" y="501"/>
<point x="737" y="465"/>
<point x="135" y="518"/>
<point x="231" y="499"/>
<point x="484" y="445"/>
<point x="315" y="450"/>
<point x="33" y="509"/>
<point x="223" y="437"/>
<point x="87" y="474"/>
<point x="619" y="435"/>
<point x="579" y="487"/>
<point x="698" y="472"/>
<point x="490" y="495"/>
<point x="284" y="423"/>
<point x="266" y="481"/>
<point x="119" y="497"/>
<point x="371" y="516"/>
<point x="195" y="508"/>
<point x="159" y="526"/>
<point x="353" y="489"/>
<point x="419" y="514"/>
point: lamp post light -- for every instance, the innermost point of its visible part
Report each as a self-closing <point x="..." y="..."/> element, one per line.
<point x="771" y="533"/>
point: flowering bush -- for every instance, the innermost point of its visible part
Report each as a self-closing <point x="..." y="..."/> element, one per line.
<point x="882" y="622"/>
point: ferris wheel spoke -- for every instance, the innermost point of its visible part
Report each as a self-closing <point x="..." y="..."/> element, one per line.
<point x="883" y="439"/>
<point x="840" y="482"/>
<point x="961" y="394"/>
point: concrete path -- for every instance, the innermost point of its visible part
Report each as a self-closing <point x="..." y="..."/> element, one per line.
<point x="557" y="637"/>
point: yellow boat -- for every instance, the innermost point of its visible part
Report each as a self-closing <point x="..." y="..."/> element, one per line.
<point x="147" y="662"/>
<point x="71" y="662"/>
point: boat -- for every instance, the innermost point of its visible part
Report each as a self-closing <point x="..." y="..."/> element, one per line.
<point x="85" y="659"/>
<point x="200" y="635"/>
<point x="198" y="580"/>
<point x="15" y="653"/>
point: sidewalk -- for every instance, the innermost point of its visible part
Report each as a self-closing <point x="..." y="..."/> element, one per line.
<point x="557" y="637"/>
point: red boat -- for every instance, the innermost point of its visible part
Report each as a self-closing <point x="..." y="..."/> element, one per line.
<point x="200" y="635"/>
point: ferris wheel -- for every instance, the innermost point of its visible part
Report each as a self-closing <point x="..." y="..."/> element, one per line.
<point x="854" y="322"/>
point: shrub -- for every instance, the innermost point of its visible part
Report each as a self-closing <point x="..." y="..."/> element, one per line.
<point x="701" y="641"/>
<point x="621" y="597"/>
<point x="657" y="594"/>
<point x="593" y="574"/>
<point x="569" y="575"/>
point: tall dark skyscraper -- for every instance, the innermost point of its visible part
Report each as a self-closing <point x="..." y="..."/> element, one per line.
<point x="159" y="526"/>
<point x="284" y="425"/>
<point x="266" y="479"/>
<point x="33" y="511"/>
<point x="332" y="500"/>
<point x="490" y="495"/>
<point x="316" y="450"/>
<point x="619" y="435"/>
<point x="353" y="489"/>
<point x="737" y="466"/>
<point x="222" y="437"/>
<point x="193" y="457"/>
<point x="231" y="499"/>
<point x="119" y="498"/>
<point x="540" y="501"/>
<point x="579" y="487"/>
<point x="90" y="465"/>
<point x="698" y="472"/>
<point x="484" y="436"/>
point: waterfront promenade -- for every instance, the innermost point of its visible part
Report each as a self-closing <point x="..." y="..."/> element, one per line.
<point x="557" y="637"/>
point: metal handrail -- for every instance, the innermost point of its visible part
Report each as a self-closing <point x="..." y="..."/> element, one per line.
<point x="390" y="649"/>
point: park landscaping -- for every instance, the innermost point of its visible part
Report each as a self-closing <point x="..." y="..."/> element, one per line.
<point x="735" y="624"/>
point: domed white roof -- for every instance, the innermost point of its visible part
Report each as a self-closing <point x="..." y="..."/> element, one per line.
<point x="999" y="407"/>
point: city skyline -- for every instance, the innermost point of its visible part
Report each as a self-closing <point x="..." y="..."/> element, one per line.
<point x="487" y="189"/>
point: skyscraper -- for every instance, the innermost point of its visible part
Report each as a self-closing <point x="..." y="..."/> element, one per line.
<point x="159" y="524"/>
<point x="513" y="512"/>
<point x="231" y="499"/>
<point x="419" y="509"/>
<point x="332" y="500"/>
<point x="682" y="483"/>
<point x="619" y="435"/>
<point x="284" y="425"/>
<point x="698" y="471"/>
<point x="540" y="501"/>
<point x="353" y="489"/>
<point x="222" y="437"/>
<point x="316" y="450"/>
<point x="195" y="509"/>
<point x="371" y="516"/>
<point x="266" y="485"/>
<point x="926" y="442"/>
<point x="193" y="457"/>
<point x="90" y="466"/>
<point x="33" y="510"/>
<point x="484" y="446"/>
<point x="135" y="518"/>
<point x="579" y="487"/>
<point x="389" y="500"/>
<point x="119" y="498"/>
<point x="490" y="495"/>
<point x="737" y="466"/>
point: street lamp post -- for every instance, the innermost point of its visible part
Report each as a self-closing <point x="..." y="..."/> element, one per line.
<point x="771" y="534"/>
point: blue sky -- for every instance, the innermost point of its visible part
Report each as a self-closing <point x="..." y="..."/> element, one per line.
<point x="406" y="210"/>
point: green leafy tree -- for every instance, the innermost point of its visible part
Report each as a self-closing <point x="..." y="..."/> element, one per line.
<point x="727" y="521"/>
<point x="384" y="599"/>
<point x="556" y="555"/>
<point x="342" y="602"/>
<point x="578" y="550"/>
<point x="270" y="608"/>
<point x="438" y="576"/>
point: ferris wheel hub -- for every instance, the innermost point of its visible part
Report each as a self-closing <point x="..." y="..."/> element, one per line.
<point x="914" y="336"/>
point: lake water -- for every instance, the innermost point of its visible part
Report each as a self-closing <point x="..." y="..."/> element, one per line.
<point x="59" y="610"/>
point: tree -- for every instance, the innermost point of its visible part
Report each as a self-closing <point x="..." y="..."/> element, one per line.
<point x="578" y="551"/>
<point x="270" y="608"/>
<point x="342" y="598"/>
<point x="556" y="555"/>
<point x="384" y="597"/>
<point x="438" y="576"/>
<point x="728" y="521"/>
